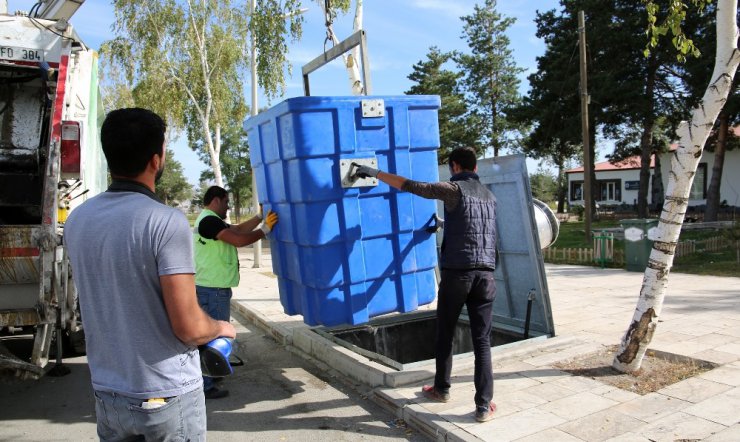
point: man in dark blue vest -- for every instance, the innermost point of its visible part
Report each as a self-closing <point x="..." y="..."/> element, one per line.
<point x="467" y="262"/>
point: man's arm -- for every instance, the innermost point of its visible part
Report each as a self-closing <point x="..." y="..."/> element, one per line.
<point x="392" y="180"/>
<point x="189" y="322"/>
<point x="447" y="192"/>
<point x="212" y="227"/>
<point x="239" y="239"/>
<point x="247" y="226"/>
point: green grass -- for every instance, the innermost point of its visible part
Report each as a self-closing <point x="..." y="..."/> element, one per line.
<point x="573" y="234"/>
<point x="723" y="263"/>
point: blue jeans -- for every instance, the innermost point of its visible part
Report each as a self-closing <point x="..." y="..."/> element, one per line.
<point x="217" y="303"/>
<point x="475" y="289"/>
<point x="121" y="418"/>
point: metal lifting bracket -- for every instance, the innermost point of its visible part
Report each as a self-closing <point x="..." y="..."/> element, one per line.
<point x="356" y="39"/>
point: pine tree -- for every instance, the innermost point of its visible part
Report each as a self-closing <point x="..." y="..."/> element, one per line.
<point x="454" y="119"/>
<point x="491" y="76"/>
<point x="551" y="108"/>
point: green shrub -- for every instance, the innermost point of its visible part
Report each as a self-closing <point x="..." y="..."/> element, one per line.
<point x="578" y="211"/>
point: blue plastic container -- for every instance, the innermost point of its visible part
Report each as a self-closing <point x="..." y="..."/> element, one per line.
<point x="343" y="255"/>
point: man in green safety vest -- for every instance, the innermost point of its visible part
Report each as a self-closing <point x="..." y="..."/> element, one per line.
<point x="216" y="261"/>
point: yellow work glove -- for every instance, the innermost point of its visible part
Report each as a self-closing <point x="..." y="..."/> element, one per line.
<point x="269" y="222"/>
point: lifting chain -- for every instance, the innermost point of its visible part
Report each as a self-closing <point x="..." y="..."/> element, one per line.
<point x="329" y="16"/>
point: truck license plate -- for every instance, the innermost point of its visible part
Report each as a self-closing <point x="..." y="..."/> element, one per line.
<point x="21" y="54"/>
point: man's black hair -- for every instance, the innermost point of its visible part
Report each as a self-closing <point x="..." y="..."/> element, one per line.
<point x="214" y="192"/>
<point x="465" y="157"/>
<point x="130" y="137"/>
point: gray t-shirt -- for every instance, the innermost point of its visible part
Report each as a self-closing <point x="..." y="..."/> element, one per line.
<point x="119" y="243"/>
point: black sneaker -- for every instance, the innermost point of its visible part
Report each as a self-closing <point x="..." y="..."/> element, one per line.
<point x="485" y="413"/>
<point x="215" y="393"/>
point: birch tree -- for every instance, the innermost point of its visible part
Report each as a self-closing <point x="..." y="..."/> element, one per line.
<point x="350" y="59"/>
<point x="185" y="59"/>
<point x="692" y="137"/>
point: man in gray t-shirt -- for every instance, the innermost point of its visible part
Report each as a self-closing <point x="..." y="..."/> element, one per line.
<point x="132" y="260"/>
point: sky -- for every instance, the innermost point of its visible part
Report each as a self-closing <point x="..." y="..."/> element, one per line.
<point x="399" y="34"/>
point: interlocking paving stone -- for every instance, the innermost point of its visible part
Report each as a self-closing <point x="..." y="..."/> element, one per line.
<point x="620" y="395"/>
<point x="544" y="374"/>
<point x="629" y="437"/>
<point x="733" y="348"/>
<point x="601" y="426"/>
<point x="717" y="357"/>
<point x="694" y="389"/>
<point x="517" y="425"/>
<point x="550" y="435"/>
<point x="729" y="434"/>
<point x="512" y="382"/>
<point x="723" y="408"/>
<point x="688" y="348"/>
<point x="549" y="391"/>
<point x="519" y="399"/>
<point x="652" y="407"/>
<point x="578" y="383"/>
<point x="577" y="406"/>
<point x="680" y="426"/>
<point x="727" y="374"/>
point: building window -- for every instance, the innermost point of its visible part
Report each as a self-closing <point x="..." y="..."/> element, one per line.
<point x="699" y="186"/>
<point x="576" y="190"/>
<point x="610" y="190"/>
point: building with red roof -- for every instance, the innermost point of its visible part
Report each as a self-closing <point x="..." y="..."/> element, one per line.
<point x="617" y="183"/>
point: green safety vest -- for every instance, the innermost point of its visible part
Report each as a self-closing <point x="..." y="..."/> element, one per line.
<point x="216" y="262"/>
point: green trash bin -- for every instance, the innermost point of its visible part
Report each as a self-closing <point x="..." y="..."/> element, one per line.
<point x="638" y="242"/>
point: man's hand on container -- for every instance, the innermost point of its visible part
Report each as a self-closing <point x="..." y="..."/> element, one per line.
<point x="365" y="171"/>
<point x="226" y="329"/>
<point x="270" y="220"/>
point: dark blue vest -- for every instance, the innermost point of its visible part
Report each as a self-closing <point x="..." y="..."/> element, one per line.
<point x="469" y="239"/>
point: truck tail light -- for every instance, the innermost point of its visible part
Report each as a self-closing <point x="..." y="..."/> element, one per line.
<point x="70" y="148"/>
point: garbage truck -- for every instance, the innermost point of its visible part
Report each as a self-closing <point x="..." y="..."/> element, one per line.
<point x="50" y="162"/>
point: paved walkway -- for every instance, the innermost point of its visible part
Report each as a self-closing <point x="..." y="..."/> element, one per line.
<point x="591" y="308"/>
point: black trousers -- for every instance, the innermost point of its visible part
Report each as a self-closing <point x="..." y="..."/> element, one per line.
<point x="475" y="289"/>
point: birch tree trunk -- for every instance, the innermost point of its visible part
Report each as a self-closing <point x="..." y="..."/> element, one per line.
<point x="353" y="70"/>
<point x="216" y="157"/>
<point x="692" y="136"/>
<point x="350" y="60"/>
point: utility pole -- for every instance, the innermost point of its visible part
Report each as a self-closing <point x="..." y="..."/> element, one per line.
<point x="257" y="246"/>
<point x="584" y="128"/>
<point x="255" y="110"/>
